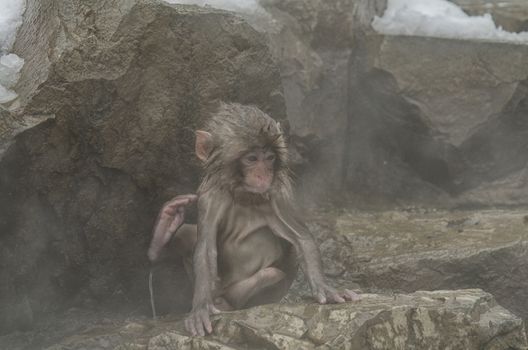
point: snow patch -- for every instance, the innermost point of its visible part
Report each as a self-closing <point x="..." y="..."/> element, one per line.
<point x="11" y="12"/>
<point x="244" y="6"/>
<point x="250" y="10"/>
<point x="440" y="18"/>
<point x="10" y="66"/>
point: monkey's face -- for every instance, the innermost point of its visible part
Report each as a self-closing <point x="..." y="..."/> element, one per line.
<point x="257" y="169"/>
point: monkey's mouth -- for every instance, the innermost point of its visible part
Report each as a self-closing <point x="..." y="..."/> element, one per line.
<point x="260" y="189"/>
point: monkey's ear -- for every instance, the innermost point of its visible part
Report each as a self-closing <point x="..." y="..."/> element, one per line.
<point x="203" y="145"/>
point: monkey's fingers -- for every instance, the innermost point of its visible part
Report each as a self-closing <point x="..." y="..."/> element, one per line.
<point x="351" y="296"/>
<point x="321" y="298"/>
<point x="174" y="205"/>
<point x="198" y="325"/>
<point x="336" y="298"/>
<point x="202" y="323"/>
<point x="206" y="321"/>
<point x="329" y="294"/>
<point x="178" y="221"/>
<point x="172" y="209"/>
<point x="182" y="200"/>
<point x="189" y="326"/>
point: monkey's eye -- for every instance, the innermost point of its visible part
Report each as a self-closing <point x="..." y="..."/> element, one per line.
<point x="271" y="157"/>
<point x="252" y="158"/>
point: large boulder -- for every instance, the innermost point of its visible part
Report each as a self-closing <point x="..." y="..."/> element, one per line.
<point x="416" y="249"/>
<point x="12" y="124"/>
<point x="447" y="112"/>
<point x="463" y="319"/>
<point x="312" y="42"/>
<point x="401" y="118"/>
<point x="121" y="85"/>
<point x="511" y="15"/>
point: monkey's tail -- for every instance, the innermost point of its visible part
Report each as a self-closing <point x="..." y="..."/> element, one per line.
<point x="151" y="290"/>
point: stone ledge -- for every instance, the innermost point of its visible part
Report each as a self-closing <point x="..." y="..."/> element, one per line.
<point x="462" y="319"/>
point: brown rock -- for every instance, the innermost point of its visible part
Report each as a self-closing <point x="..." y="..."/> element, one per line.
<point x="417" y="249"/>
<point x="125" y="83"/>
<point x="463" y="319"/>
<point x="396" y="119"/>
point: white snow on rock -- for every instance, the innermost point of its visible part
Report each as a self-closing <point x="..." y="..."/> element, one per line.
<point x="11" y="12"/>
<point x="254" y="14"/>
<point x="245" y="6"/>
<point x="440" y="18"/>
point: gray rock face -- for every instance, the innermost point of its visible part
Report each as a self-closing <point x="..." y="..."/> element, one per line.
<point x="428" y="250"/>
<point x="12" y="124"/>
<point x="312" y="41"/>
<point x="455" y="110"/>
<point x="102" y="134"/>
<point x="125" y="84"/>
<point x="512" y="15"/>
<point x="464" y="319"/>
<point x="402" y="118"/>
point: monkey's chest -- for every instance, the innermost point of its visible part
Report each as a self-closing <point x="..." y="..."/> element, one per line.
<point x="245" y="246"/>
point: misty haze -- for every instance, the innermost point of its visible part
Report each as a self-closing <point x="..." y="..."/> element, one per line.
<point x="263" y="174"/>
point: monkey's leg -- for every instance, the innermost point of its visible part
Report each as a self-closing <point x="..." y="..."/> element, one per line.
<point x="276" y="292"/>
<point x="239" y="293"/>
<point x="182" y="244"/>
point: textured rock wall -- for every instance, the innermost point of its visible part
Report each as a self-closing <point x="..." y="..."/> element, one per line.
<point x="123" y="85"/>
<point x="389" y="119"/>
<point x="312" y="42"/>
<point x="409" y="250"/>
<point x="447" y="113"/>
<point x="512" y="15"/>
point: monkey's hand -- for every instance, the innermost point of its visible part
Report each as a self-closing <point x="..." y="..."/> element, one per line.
<point x="198" y="321"/>
<point x="323" y="293"/>
<point x="169" y="220"/>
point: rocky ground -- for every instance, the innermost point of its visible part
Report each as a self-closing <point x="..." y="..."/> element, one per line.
<point x="464" y="319"/>
<point x="389" y="254"/>
<point x="122" y="87"/>
<point x="101" y="134"/>
<point x="428" y="249"/>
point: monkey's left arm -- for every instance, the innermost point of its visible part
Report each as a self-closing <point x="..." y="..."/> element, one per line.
<point x="288" y="226"/>
<point x="210" y="210"/>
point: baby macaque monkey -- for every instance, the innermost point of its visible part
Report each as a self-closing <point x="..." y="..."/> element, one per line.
<point x="248" y="241"/>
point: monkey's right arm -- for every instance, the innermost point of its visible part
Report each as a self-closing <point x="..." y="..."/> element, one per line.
<point x="169" y="220"/>
<point x="205" y="266"/>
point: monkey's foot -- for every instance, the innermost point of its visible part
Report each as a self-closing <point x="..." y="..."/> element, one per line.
<point x="240" y="292"/>
<point x="222" y="304"/>
<point x="351" y="295"/>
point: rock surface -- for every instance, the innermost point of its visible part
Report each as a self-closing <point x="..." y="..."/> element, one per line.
<point x="312" y="41"/>
<point x="457" y="112"/>
<point x="512" y="15"/>
<point x="464" y="319"/>
<point x="123" y="85"/>
<point x="12" y="125"/>
<point x="101" y="135"/>
<point x="402" y="119"/>
<point x="409" y="250"/>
